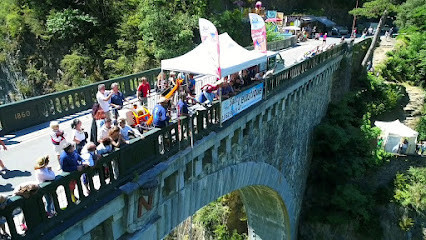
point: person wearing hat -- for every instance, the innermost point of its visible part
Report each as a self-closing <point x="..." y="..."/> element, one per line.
<point x="160" y="113"/>
<point x="57" y="137"/>
<point x="43" y="173"/>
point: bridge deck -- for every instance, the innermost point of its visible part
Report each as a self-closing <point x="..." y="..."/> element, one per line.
<point x="26" y="145"/>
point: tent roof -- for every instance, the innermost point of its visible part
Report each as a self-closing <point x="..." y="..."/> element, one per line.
<point x="396" y="128"/>
<point x="233" y="58"/>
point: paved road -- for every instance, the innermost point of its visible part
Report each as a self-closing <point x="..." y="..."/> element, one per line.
<point x="25" y="146"/>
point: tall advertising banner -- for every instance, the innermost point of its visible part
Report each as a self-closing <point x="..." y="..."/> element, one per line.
<point x="208" y="33"/>
<point x="258" y="32"/>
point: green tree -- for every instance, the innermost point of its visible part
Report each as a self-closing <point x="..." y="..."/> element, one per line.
<point x="374" y="9"/>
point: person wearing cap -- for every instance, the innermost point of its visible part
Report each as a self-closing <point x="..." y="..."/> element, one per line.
<point x="104" y="98"/>
<point x="160" y="113"/>
<point x="143" y="91"/>
<point x="43" y="173"/>
<point x="57" y="138"/>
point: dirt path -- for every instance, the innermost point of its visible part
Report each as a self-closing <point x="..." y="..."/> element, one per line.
<point x="410" y="111"/>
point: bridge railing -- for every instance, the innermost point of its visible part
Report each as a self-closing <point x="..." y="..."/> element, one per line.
<point x="30" y="112"/>
<point x="122" y="165"/>
<point x="98" y="182"/>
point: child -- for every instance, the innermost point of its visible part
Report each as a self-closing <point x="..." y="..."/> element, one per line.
<point x="58" y="138"/>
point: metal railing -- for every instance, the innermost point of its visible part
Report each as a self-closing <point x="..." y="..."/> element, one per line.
<point x="36" y="110"/>
<point x="30" y="112"/>
<point x="124" y="164"/>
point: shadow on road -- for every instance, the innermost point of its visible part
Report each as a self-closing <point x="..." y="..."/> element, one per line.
<point x="6" y="188"/>
<point x="15" y="173"/>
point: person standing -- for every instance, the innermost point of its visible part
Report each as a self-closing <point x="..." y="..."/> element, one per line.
<point x="79" y="136"/>
<point x="43" y="173"/>
<point x="143" y="91"/>
<point x="191" y="84"/>
<point x="160" y="113"/>
<point x="3" y="168"/>
<point x="117" y="99"/>
<point x="324" y="39"/>
<point x="57" y="137"/>
<point x="104" y="98"/>
<point x="70" y="162"/>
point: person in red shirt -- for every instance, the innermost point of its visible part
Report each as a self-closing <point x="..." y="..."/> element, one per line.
<point x="143" y="91"/>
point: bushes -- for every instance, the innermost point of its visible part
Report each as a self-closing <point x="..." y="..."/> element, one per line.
<point x="345" y="149"/>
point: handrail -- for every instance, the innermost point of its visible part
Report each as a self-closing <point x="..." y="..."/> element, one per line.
<point x="36" y="110"/>
<point x="140" y="155"/>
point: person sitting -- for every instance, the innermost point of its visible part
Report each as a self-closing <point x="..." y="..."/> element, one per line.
<point x="43" y="173"/>
<point x="117" y="139"/>
<point x="245" y="77"/>
<point x="259" y="76"/>
<point x="160" y="113"/>
<point x="143" y="91"/>
<point x="227" y="90"/>
<point x="103" y="132"/>
<point x="209" y="92"/>
<point x="126" y="131"/>
<point x="104" y="146"/>
<point x="117" y="99"/>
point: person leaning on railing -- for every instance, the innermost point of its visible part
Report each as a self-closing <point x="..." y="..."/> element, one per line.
<point x="43" y="173"/>
<point x="70" y="162"/>
<point x="160" y="113"/>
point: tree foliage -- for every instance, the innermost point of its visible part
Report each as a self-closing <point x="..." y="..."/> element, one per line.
<point x="410" y="190"/>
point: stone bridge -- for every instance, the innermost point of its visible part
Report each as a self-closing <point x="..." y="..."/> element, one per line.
<point x="263" y="153"/>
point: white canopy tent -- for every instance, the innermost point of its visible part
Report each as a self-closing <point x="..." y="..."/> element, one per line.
<point x="393" y="134"/>
<point x="233" y="58"/>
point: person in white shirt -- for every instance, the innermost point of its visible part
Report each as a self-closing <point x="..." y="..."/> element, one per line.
<point x="43" y="173"/>
<point x="57" y="137"/>
<point x="126" y="131"/>
<point x="79" y="136"/>
<point x="104" y="130"/>
<point x="104" y="98"/>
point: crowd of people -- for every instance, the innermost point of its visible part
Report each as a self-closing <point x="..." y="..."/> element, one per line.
<point x="113" y="128"/>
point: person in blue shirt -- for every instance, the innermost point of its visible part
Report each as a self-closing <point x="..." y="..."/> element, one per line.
<point x="191" y="84"/>
<point x="117" y="99"/>
<point x="182" y="106"/>
<point x="160" y="113"/>
<point x="70" y="160"/>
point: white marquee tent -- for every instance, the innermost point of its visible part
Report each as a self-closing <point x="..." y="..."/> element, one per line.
<point x="233" y="58"/>
<point x="393" y="134"/>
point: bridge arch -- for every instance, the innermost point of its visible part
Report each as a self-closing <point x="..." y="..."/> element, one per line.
<point x="267" y="197"/>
